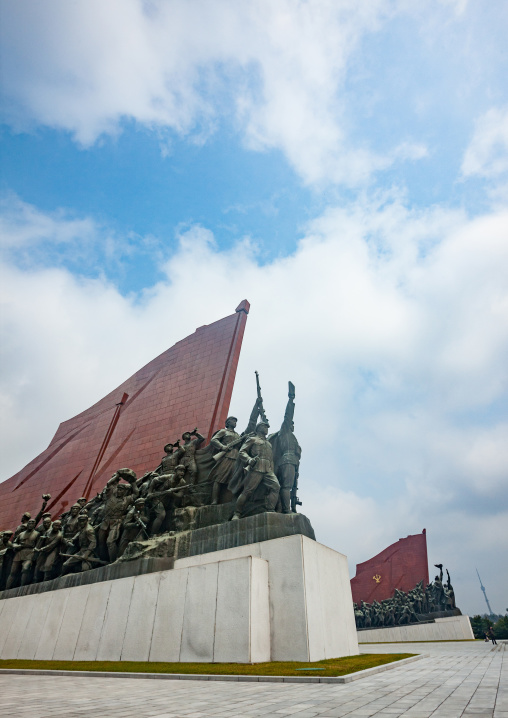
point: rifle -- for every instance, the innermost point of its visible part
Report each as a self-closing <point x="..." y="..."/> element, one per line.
<point x="166" y="492"/>
<point x="294" y="494"/>
<point x="90" y="559"/>
<point x="260" y="398"/>
<point x="232" y="445"/>
<point x="142" y="524"/>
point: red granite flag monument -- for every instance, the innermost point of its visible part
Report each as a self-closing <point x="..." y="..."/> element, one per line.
<point x="187" y="386"/>
<point x="402" y="565"/>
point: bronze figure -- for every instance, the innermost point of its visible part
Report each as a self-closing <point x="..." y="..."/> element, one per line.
<point x="286" y="455"/>
<point x="48" y="554"/>
<point x="257" y="457"/>
<point x="85" y="542"/>
<point x="23" y="555"/>
<point x="188" y="455"/>
<point x="118" y="499"/>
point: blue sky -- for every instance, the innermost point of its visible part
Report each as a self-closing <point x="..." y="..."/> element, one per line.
<point x="342" y="165"/>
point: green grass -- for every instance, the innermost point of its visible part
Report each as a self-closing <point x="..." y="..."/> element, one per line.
<point x="331" y="667"/>
<point x="442" y="640"/>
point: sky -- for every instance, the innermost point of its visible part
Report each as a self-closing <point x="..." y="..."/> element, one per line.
<point x="344" y="167"/>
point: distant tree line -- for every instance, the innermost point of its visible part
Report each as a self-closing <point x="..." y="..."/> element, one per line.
<point x="481" y="624"/>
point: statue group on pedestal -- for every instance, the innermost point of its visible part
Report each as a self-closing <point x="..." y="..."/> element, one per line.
<point x="254" y="471"/>
<point x="412" y="606"/>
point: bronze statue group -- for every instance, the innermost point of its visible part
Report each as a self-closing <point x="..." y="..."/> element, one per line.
<point x="414" y="606"/>
<point x="253" y="471"/>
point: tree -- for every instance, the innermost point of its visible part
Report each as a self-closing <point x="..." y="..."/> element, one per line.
<point x="501" y="627"/>
<point x="480" y="625"/>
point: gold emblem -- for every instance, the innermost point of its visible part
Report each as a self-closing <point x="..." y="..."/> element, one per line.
<point x="377" y="578"/>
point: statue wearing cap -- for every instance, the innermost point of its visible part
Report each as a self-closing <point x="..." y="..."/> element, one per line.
<point x="257" y="458"/>
<point x="119" y="497"/>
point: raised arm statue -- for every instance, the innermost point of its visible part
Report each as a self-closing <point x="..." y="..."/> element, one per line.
<point x="286" y="455"/>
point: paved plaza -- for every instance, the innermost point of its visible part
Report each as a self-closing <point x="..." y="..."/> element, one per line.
<point x="469" y="679"/>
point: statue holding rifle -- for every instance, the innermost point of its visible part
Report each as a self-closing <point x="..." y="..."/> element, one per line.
<point x="228" y="443"/>
<point x="257" y="458"/>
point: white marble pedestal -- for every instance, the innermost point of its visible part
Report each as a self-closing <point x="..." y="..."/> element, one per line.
<point x="286" y="599"/>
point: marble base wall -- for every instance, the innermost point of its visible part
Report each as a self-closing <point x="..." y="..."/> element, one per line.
<point x="213" y="613"/>
<point x="456" y="628"/>
<point x="281" y="599"/>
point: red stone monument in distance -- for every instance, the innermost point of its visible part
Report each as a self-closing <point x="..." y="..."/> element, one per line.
<point x="188" y="385"/>
<point x="402" y="565"/>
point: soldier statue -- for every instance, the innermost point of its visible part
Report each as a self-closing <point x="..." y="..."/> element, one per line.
<point x="188" y="455"/>
<point x="6" y="555"/>
<point x="286" y="454"/>
<point x="118" y="499"/>
<point x="439" y="594"/>
<point x="358" y="616"/>
<point x="134" y="525"/>
<point x="23" y="555"/>
<point x="162" y="493"/>
<point x="227" y="441"/>
<point x="169" y="496"/>
<point x="48" y="554"/>
<point x="39" y="559"/>
<point x="27" y="516"/>
<point x="171" y="460"/>
<point x="70" y="523"/>
<point x="257" y="456"/>
<point x="450" y="594"/>
<point x="46" y="523"/>
<point x="85" y="543"/>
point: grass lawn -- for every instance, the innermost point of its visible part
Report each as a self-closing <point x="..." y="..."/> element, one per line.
<point x="330" y="667"/>
<point x="442" y="640"/>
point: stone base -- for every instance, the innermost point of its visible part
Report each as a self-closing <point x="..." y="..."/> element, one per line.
<point x="286" y="599"/>
<point x="160" y="552"/>
<point x="453" y="628"/>
<point x="96" y="575"/>
<point x="219" y="536"/>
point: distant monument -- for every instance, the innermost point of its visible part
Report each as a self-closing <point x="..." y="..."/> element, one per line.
<point x="400" y="566"/>
<point x="419" y="605"/>
<point x="394" y="600"/>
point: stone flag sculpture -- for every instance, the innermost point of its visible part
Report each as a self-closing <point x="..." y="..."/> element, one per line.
<point x="188" y="385"/>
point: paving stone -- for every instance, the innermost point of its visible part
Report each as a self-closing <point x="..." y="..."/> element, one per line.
<point x="458" y="680"/>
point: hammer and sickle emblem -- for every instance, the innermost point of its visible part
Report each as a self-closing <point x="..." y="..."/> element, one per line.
<point x="377" y="578"/>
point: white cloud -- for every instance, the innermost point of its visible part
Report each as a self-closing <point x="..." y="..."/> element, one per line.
<point x="277" y="69"/>
<point x="23" y="225"/>
<point x="487" y="154"/>
<point x="391" y="322"/>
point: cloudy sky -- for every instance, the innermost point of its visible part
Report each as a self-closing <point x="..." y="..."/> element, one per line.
<point x="341" y="164"/>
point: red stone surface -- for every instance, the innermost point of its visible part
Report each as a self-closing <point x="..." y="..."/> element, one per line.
<point x="188" y="385"/>
<point x="402" y="565"/>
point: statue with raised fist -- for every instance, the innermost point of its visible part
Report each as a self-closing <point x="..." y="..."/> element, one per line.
<point x="27" y="516"/>
<point x="286" y="454"/>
